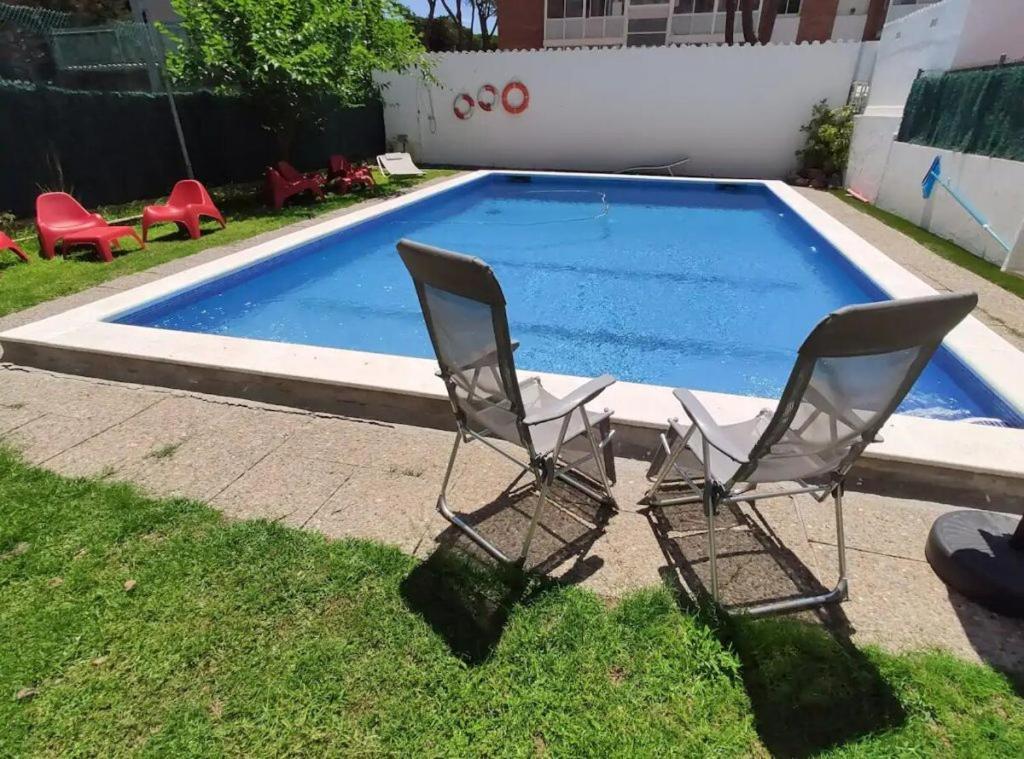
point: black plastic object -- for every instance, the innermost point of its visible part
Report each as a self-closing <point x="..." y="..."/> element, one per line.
<point x="981" y="555"/>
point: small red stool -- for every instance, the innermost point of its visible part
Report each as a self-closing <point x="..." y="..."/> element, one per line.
<point x="6" y="243"/>
<point x="100" y="237"/>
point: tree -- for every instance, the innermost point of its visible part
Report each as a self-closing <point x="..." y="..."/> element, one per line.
<point x="730" y="21"/>
<point x="749" y="35"/>
<point x="287" y="56"/>
<point x="487" y="13"/>
<point x="769" y="12"/>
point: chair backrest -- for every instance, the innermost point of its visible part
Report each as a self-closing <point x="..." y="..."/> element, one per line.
<point x="188" y="192"/>
<point x="338" y="164"/>
<point x="397" y="163"/>
<point x="464" y="310"/>
<point x="60" y="208"/>
<point x="852" y="371"/>
<point x="289" y="172"/>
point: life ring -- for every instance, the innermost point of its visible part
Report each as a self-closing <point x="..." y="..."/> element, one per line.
<point x="463" y="106"/>
<point x="490" y="102"/>
<point x="509" y="89"/>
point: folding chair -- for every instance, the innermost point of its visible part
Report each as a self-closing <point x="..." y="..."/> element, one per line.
<point x="464" y="310"/>
<point x="851" y="373"/>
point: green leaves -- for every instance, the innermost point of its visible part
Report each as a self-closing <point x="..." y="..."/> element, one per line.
<point x="288" y="54"/>
<point x="828" y="138"/>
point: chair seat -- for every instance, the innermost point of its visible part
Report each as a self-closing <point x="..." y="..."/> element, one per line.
<point x="97" y="234"/>
<point x="545" y="434"/>
<point x="744" y="436"/>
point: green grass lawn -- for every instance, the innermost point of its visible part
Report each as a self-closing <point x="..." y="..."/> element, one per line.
<point x="23" y="285"/>
<point x="137" y="626"/>
<point x="938" y="245"/>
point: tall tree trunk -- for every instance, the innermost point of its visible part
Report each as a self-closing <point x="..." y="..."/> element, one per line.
<point x="730" y="21"/>
<point x="765" y="29"/>
<point x="749" y="35"/>
<point x="877" y="11"/>
<point x="431" y="9"/>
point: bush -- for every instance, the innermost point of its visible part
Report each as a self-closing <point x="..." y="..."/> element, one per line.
<point x="828" y="140"/>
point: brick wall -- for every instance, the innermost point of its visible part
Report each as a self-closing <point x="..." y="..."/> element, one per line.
<point x="816" y="20"/>
<point x="520" y="24"/>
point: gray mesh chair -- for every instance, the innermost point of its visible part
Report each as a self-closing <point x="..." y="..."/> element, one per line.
<point x="851" y="373"/>
<point x="464" y="309"/>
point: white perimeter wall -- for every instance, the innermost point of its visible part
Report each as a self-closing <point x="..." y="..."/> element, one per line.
<point x="991" y="185"/>
<point x="993" y="28"/>
<point x="736" y="111"/>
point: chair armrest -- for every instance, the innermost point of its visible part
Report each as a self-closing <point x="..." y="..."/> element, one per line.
<point x="563" y="406"/>
<point x="708" y="427"/>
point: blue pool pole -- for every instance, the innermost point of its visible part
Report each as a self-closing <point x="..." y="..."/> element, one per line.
<point x="928" y="184"/>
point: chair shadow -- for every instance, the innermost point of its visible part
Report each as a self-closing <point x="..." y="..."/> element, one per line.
<point x="466" y="596"/>
<point x="810" y="687"/>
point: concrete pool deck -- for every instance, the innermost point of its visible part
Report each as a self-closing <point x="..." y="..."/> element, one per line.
<point x="346" y="477"/>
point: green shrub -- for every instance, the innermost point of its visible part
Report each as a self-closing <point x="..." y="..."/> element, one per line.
<point x="828" y="139"/>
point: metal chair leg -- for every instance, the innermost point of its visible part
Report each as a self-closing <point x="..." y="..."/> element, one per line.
<point x="455" y="519"/>
<point x="598" y="456"/>
<point x="544" y="483"/>
<point x="841" y="586"/>
<point x="708" y="498"/>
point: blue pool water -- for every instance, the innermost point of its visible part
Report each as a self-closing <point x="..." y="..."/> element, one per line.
<point x="700" y="285"/>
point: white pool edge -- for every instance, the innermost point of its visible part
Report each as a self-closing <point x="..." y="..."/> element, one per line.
<point x="912" y="440"/>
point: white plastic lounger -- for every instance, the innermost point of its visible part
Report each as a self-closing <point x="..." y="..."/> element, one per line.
<point x="398" y="165"/>
<point x="851" y="373"/>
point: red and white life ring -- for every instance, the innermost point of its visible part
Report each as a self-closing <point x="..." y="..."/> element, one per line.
<point x="492" y="92"/>
<point x="506" y="101"/>
<point x="463" y="106"/>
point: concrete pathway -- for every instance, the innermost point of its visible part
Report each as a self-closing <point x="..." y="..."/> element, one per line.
<point x="347" y="477"/>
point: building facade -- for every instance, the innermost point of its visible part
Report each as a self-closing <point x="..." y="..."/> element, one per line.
<point x="529" y="24"/>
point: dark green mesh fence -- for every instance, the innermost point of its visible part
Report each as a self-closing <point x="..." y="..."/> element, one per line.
<point x="973" y="111"/>
<point x="113" y="147"/>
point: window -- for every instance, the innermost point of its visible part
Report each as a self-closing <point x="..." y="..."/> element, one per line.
<point x="601" y="8"/>
<point x="635" y="40"/>
<point x="791" y="7"/>
<point x="647" y="25"/>
<point x="565" y="8"/>
<point x="694" y="6"/>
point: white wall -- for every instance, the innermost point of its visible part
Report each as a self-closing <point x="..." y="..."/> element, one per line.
<point x="991" y="185"/>
<point x="736" y="111"/>
<point x="848" y="27"/>
<point x="873" y="136"/>
<point x="927" y="39"/>
<point x="993" y="28"/>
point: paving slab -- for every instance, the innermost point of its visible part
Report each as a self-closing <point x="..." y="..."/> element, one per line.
<point x="875" y="524"/>
<point x="202" y="464"/>
<point x="280" y="487"/>
<point x="390" y="507"/>
<point x="157" y="432"/>
<point x="902" y="605"/>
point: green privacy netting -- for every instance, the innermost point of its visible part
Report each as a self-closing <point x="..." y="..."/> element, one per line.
<point x="972" y="111"/>
<point x="113" y="147"/>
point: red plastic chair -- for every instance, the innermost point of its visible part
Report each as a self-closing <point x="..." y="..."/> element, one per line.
<point x="279" y="189"/>
<point x="345" y="173"/>
<point x="6" y="243"/>
<point x="189" y="201"/>
<point x="57" y="214"/>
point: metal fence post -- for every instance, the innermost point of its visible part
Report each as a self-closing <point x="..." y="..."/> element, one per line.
<point x="170" y="97"/>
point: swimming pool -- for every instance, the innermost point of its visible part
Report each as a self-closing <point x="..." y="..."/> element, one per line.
<point x="705" y="285"/>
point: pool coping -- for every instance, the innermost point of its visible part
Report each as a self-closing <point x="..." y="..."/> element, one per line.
<point x="79" y="341"/>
